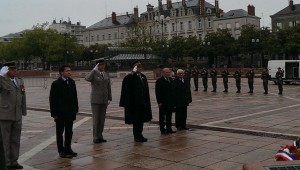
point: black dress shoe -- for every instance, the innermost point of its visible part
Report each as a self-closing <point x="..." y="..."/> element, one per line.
<point x="16" y="166"/>
<point x="164" y="132"/>
<point x="185" y="128"/>
<point x="100" y="140"/>
<point x="214" y="91"/>
<point x="65" y="155"/>
<point x="171" y="131"/>
<point x="225" y="91"/>
<point x="71" y="152"/>
<point x="205" y="90"/>
<point x="141" y="140"/>
<point x="238" y="91"/>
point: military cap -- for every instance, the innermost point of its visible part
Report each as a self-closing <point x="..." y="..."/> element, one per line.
<point x="11" y="64"/>
<point x="279" y="68"/>
<point x="137" y="63"/>
<point x="100" y="61"/>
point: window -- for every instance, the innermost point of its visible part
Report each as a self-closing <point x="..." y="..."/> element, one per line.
<point x="190" y="25"/>
<point x="98" y="38"/>
<point x="92" y="38"/>
<point x="181" y="12"/>
<point x="200" y="36"/>
<point x="109" y="36"/>
<point x="157" y="29"/>
<point x="181" y="26"/>
<point x="220" y="26"/>
<point x="122" y="35"/>
<point x="228" y="26"/>
<point x="173" y="27"/>
<point x="209" y="23"/>
<point x="200" y="24"/>
<point x="150" y="30"/>
<point x="86" y="39"/>
<point x="208" y="11"/>
<point x="116" y="35"/>
<point x="103" y="37"/>
<point x="279" y="25"/>
<point x="166" y="28"/>
<point x="237" y="25"/>
<point x="293" y="23"/>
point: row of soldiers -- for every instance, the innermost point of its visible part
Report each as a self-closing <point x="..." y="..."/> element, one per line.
<point x="195" y="73"/>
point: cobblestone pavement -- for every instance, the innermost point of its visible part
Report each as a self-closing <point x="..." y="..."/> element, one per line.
<point x="229" y="129"/>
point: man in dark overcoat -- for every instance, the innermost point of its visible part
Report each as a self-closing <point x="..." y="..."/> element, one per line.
<point x="164" y="98"/>
<point x="63" y="108"/>
<point x="135" y="98"/>
<point x="182" y="96"/>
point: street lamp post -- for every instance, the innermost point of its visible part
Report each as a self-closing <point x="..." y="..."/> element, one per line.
<point x="254" y="41"/>
<point x="162" y="21"/>
<point x="210" y="62"/>
<point x="65" y="48"/>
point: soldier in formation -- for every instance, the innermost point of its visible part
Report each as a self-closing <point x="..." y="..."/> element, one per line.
<point x="279" y="78"/>
<point x="195" y="75"/>
<point x="265" y="77"/>
<point x="204" y="75"/>
<point x="237" y="76"/>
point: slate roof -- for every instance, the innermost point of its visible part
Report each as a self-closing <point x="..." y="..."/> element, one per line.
<point x="237" y="13"/>
<point x="189" y="4"/>
<point x="107" y="22"/>
<point x="288" y="11"/>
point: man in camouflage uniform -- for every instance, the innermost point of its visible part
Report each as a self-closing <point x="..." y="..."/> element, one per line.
<point x="250" y="75"/>
<point x="225" y="74"/>
<point x="195" y="74"/>
<point x="237" y="75"/>
<point x="265" y="78"/>
<point x="279" y="76"/>
<point x="213" y="75"/>
<point x="204" y="75"/>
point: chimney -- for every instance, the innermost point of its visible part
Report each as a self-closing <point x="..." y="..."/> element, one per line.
<point x="251" y="10"/>
<point x="149" y="8"/>
<point x="169" y="4"/>
<point x="114" y="18"/>
<point x="160" y="5"/>
<point x="202" y="7"/>
<point x="291" y="5"/>
<point x="183" y="3"/>
<point x="217" y="8"/>
<point x="136" y="15"/>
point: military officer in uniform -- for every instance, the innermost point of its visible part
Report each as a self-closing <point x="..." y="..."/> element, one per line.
<point x="250" y="75"/>
<point x="265" y="78"/>
<point x="195" y="74"/>
<point x="213" y="75"/>
<point x="237" y="75"/>
<point x="13" y="107"/>
<point x="279" y="76"/>
<point x="225" y="74"/>
<point x="100" y="98"/>
<point x="135" y="99"/>
<point x="204" y="75"/>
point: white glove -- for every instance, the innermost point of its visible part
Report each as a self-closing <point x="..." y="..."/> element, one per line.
<point x="3" y="71"/>
<point x="134" y="69"/>
<point x="96" y="67"/>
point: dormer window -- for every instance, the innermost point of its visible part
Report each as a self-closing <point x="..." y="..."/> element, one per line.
<point x="208" y="11"/>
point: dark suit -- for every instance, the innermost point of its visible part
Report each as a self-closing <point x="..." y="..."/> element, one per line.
<point x="250" y="76"/>
<point x="135" y="99"/>
<point x="64" y="106"/>
<point x="182" y="98"/>
<point x="164" y="97"/>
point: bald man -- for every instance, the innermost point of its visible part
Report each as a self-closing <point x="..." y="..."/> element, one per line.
<point x="164" y="99"/>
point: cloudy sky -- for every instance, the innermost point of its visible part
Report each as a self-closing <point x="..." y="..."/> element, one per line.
<point x="17" y="15"/>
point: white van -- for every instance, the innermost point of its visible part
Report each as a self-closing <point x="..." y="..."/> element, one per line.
<point x="290" y="67"/>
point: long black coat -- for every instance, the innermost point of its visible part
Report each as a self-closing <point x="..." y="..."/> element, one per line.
<point x="63" y="99"/>
<point x="163" y="91"/>
<point x="135" y="94"/>
<point x="182" y="92"/>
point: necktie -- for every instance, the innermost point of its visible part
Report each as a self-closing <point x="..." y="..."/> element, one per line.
<point x="67" y="81"/>
<point x="14" y="83"/>
<point x="102" y="75"/>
